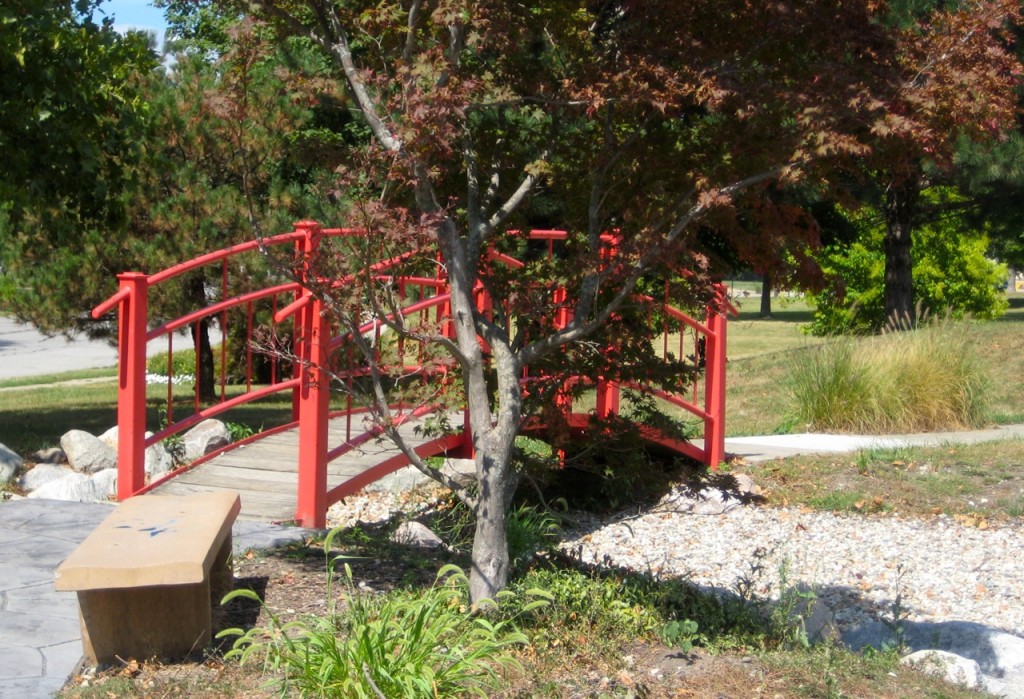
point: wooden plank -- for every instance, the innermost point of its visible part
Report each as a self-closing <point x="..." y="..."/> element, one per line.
<point x="265" y="472"/>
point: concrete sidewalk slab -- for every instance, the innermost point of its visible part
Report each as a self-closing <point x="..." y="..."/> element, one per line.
<point x="40" y="638"/>
<point x="767" y="448"/>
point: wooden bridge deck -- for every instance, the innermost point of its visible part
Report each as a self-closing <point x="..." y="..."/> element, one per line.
<point x="265" y="472"/>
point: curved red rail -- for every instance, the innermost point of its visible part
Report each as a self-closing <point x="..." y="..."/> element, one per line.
<point x="294" y="302"/>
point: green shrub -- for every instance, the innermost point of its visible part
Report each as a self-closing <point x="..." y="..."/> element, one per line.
<point x="401" y="645"/>
<point x="952" y="272"/>
<point x="184" y="363"/>
<point x="911" y="381"/>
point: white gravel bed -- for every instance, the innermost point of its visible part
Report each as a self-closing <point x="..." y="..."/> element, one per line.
<point x="941" y="569"/>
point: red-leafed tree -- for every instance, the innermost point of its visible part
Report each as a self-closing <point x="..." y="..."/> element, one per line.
<point x="644" y="118"/>
<point x="956" y="80"/>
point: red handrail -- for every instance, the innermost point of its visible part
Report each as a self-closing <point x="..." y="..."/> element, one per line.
<point x="314" y="345"/>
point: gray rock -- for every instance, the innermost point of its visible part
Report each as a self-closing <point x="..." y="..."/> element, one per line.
<point x="53" y="455"/>
<point x="42" y="474"/>
<point x="110" y="438"/>
<point x="158" y="460"/>
<point x="87" y="453"/>
<point x="207" y="436"/>
<point x="999" y="655"/>
<point x="954" y="669"/>
<point x="416" y="534"/>
<point x="9" y="464"/>
<point x="809" y="610"/>
<point x="104" y="485"/>
<point x="76" y="487"/>
<point x="80" y="487"/>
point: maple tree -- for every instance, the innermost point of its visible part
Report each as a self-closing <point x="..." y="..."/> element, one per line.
<point x="646" y="119"/>
<point x="955" y="80"/>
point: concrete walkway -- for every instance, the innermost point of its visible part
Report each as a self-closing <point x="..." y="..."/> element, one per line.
<point x="757" y="449"/>
<point x="40" y="639"/>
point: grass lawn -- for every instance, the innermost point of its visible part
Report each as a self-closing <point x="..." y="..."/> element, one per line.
<point x="761" y="352"/>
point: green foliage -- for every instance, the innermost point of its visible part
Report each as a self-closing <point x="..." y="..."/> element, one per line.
<point x="911" y="381"/>
<point x="951" y="272"/>
<point x="680" y="634"/>
<point x="409" y="645"/>
<point x="71" y="124"/>
<point x="183" y="363"/>
<point x="530" y="529"/>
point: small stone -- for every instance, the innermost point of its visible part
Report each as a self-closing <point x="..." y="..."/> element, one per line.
<point x="416" y="534"/>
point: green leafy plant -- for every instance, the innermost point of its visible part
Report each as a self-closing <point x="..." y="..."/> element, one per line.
<point x="530" y="529"/>
<point x="679" y="634"/>
<point x="239" y="431"/>
<point x="431" y="644"/>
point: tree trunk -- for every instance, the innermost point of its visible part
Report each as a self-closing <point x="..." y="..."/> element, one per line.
<point x="497" y="482"/>
<point x="205" y="386"/>
<point x="766" y="296"/>
<point x="901" y="200"/>
<point x="205" y="383"/>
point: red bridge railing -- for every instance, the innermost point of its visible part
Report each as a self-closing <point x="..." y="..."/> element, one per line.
<point x="315" y="346"/>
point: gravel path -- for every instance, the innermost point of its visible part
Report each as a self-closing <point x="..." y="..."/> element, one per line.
<point x="941" y="569"/>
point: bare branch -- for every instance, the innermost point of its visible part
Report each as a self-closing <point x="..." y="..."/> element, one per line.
<point x="410" y="36"/>
<point x="512" y="203"/>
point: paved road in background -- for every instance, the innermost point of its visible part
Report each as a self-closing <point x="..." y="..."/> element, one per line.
<point x="24" y="351"/>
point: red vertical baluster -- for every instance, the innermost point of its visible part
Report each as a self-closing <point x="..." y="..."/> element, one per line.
<point x="714" y="387"/>
<point x="131" y="389"/>
<point x="313" y="394"/>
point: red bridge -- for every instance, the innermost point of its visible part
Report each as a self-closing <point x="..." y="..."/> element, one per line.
<point x="323" y="451"/>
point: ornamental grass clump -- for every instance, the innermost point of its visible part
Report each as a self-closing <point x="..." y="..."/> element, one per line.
<point x="402" y="645"/>
<point x="927" y="379"/>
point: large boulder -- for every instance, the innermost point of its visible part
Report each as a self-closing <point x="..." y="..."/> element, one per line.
<point x="158" y="460"/>
<point x="104" y="485"/>
<point x="42" y="474"/>
<point x="9" y="464"/>
<point x="207" y="436"/>
<point x="79" y="487"/>
<point x="950" y="667"/>
<point x="999" y="655"/>
<point x="87" y="453"/>
<point x="75" y="486"/>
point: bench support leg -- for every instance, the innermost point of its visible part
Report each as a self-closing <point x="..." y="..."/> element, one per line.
<point x="163" y="621"/>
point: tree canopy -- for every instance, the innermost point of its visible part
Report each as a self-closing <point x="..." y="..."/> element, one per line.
<point x="70" y="119"/>
<point x="647" y="119"/>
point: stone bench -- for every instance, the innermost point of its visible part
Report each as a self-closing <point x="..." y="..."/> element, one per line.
<point x="149" y="576"/>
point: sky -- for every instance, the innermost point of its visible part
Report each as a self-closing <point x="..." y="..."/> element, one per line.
<point x="135" y="14"/>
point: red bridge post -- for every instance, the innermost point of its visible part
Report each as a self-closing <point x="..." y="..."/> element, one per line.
<point x="131" y="385"/>
<point x="714" y="381"/>
<point x="314" y="393"/>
